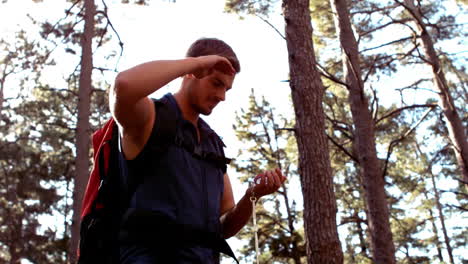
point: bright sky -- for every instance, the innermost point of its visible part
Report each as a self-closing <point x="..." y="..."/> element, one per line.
<point x="164" y="30"/>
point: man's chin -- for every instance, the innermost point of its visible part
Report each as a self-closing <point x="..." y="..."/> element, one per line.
<point x="206" y="112"/>
<point x="206" y="109"/>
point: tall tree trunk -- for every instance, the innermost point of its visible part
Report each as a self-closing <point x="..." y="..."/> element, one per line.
<point x="455" y="127"/>
<point x="323" y="244"/>
<point x="1" y="98"/>
<point x="374" y="185"/>
<point x="2" y="86"/>
<point x="434" y="230"/>
<point x="441" y="218"/>
<point x="83" y="127"/>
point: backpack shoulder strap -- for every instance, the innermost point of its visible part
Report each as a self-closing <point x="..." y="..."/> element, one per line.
<point x="165" y="127"/>
<point x="165" y="133"/>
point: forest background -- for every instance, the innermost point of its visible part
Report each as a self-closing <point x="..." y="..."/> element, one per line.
<point x="380" y="102"/>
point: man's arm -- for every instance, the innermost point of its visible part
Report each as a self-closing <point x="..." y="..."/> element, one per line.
<point x="129" y="102"/>
<point x="235" y="216"/>
<point x="128" y="99"/>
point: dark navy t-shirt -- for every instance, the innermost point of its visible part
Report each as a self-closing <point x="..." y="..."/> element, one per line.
<point x="180" y="186"/>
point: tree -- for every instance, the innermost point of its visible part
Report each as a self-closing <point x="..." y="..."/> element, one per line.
<point x="323" y="245"/>
<point x="364" y="138"/>
<point x="455" y="127"/>
<point x="49" y="114"/>
<point x="16" y="58"/>
<point x="30" y="162"/>
<point x="96" y="32"/>
<point x="83" y="127"/>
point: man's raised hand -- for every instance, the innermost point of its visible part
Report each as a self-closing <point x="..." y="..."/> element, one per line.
<point x="210" y="63"/>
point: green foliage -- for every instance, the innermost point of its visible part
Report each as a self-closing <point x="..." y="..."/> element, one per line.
<point x="37" y="135"/>
<point x="37" y="166"/>
<point x="250" y="7"/>
<point x="31" y="166"/>
<point x="322" y="17"/>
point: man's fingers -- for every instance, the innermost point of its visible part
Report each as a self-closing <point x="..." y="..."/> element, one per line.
<point x="268" y="179"/>
<point x="229" y="65"/>
<point x="225" y="67"/>
<point x="276" y="179"/>
<point x="214" y="62"/>
<point x="280" y="174"/>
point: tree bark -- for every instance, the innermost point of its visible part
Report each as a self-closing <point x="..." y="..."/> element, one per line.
<point x="1" y="98"/>
<point x="434" y="230"/>
<point x="2" y="87"/>
<point x="83" y="128"/>
<point x="442" y="218"/>
<point x="382" y="245"/>
<point x="457" y="133"/>
<point x="322" y="242"/>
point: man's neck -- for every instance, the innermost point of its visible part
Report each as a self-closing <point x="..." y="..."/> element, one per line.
<point x="187" y="112"/>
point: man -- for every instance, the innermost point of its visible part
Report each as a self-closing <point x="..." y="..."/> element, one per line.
<point x="189" y="191"/>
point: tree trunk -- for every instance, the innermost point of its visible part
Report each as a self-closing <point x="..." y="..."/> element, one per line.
<point x="442" y="218"/>
<point x="382" y="245"/>
<point x="434" y="230"/>
<point x="83" y="127"/>
<point x="1" y="98"/>
<point x="455" y="127"/>
<point x="2" y="87"/>
<point x="323" y="244"/>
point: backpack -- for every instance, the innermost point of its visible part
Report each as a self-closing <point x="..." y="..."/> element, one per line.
<point x="107" y="198"/>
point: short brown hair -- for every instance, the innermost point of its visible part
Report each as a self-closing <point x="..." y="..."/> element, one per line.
<point x="213" y="46"/>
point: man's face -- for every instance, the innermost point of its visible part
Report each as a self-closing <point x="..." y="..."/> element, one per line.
<point x="210" y="90"/>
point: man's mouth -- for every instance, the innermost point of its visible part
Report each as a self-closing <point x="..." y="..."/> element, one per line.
<point x="213" y="104"/>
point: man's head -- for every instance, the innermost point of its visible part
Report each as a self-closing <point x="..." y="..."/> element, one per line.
<point x="205" y="93"/>
<point x="213" y="46"/>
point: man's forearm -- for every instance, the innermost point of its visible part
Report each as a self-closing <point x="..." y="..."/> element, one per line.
<point x="237" y="217"/>
<point x="144" y="79"/>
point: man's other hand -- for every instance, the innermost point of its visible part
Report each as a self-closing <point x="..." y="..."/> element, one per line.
<point x="268" y="182"/>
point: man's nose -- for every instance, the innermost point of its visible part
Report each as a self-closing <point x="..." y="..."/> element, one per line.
<point x="221" y="95"/>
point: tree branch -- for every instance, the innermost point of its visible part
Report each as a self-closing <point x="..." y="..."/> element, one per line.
<point x="398" y="140"/>
<point x="342" y="149"/>
<point x="121" y="44"/>
<point x="330" y="76"/>
<point x="397" y="111"/>
<point x="268" y="22"/>
<point x="400" y="21"/>
<point x="369" y="71"/>
<point x="386" y="44"/>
